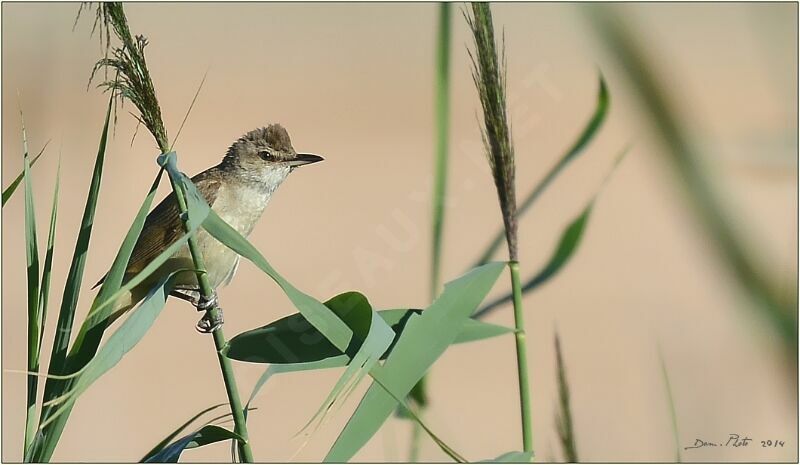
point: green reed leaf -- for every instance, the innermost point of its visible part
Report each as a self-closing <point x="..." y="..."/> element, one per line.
<point x="32" y="271"/>
<point x="425" y="337"/>
<point x="9" y="191"/>
<point x="95" y="324"/>
<point x="564" y="425"/>
<point x="206" y="435"/>
<point x="44" y="291"/>
<point x="167" y="440"/>
<point x="373" y="336"/>
<point x="588" y="134"/>
<point x="292" y="340"/>
<point x="125" y="338"/>
<point x="46" y="441"/>
<point x="567" y="245"/>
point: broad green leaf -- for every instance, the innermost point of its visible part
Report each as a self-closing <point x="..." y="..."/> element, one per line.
<point x="45" y="443"/>
<point x="9" y="191"/>
<point x="586" y="136"/>
<point x="208" y="434"/>
<point x="425" y="337"/>
<point x="166" y="441"/>
<point x="341" y="361"/>
<point x="320" y="317"/>
<point x="567" y="245"/>
<point x="333" y="362"/>
<point x="125" y="338"/>
<point x="371" y="335"/>
<point x="32" y="262"/>
<point x="292" y="340"/>
<point x="512" y="457"/>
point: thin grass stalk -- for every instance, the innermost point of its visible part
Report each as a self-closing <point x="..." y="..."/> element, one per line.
<point x="442" y="108"/>
<point x="671" y="404"/>
<point x="442" y="135"/>
<point x="489" y="75"/>
<point x="522" y="359"/>
<point x="566" y="430"/>
<point x="240" y="428"/>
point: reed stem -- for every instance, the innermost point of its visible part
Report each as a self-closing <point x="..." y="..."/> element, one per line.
<point x="240" y="424"/>
<point x="522" y="360"/>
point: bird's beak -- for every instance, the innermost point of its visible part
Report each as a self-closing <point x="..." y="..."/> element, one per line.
<point x="304" y="159"/>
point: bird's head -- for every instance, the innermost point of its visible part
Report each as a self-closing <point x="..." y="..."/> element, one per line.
<point x="265" y="155"/>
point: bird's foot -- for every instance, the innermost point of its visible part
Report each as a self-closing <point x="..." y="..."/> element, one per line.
<point x="204" y="304"/>
<point x="209" y="323"/>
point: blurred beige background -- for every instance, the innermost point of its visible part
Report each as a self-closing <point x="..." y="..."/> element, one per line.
<point x="354" y="82"/>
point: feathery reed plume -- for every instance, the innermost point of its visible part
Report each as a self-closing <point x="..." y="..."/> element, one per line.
<point x="566" y="432"/>
<point x="488" y="72"/>
<point x="489" y="76"/>
<point x="132" y="81"/>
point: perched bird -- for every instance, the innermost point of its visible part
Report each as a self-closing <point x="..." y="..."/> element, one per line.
<point x="238" y="189"/>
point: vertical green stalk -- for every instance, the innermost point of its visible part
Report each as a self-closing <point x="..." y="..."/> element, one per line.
<point x="671" y="403"/>
<point x="442" y="134"/>
<point x="240" y="424"/>
<point x="522" y="359"/>
<point x="489" y="75"/>
<point x="442" y="108"/>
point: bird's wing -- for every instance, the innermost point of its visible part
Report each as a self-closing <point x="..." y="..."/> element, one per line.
<point x="163" y="226"/>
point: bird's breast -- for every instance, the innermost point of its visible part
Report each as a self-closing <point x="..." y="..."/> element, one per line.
<point x="240" y="207"/>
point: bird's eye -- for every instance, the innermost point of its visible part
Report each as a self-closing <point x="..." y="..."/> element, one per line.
<point x="266" y="155"/>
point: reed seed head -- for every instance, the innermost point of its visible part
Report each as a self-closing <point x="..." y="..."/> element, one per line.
<point x="489" y="75"/>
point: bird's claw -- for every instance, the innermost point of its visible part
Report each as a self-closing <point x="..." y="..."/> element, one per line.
<point x="204" y="304"/>
<point x="209" y="324"/>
